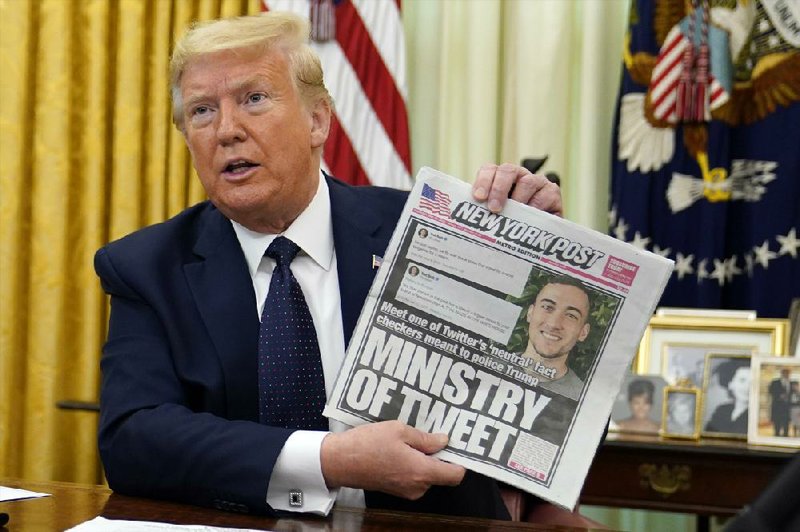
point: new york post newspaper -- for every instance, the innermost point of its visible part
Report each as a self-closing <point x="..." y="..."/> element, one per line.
<point x="509" y="332"/>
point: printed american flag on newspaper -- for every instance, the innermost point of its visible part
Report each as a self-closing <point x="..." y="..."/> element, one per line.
<point x="435" y="201"/>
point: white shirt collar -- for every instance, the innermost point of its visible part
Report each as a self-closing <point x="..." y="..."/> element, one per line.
<point x="312" y="230"/>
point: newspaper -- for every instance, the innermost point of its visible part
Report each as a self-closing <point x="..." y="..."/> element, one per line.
<point x="510" y="332"/>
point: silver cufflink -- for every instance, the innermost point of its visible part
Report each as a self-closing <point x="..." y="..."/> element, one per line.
<point x="295" y="498"/>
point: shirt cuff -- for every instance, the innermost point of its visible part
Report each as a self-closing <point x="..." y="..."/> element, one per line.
<point x="298" y="471"/>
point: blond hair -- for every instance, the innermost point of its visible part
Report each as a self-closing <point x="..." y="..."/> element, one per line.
<point x="266" y="31"/>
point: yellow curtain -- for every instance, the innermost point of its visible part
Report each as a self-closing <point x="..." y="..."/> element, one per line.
<point x="87" y="154"/>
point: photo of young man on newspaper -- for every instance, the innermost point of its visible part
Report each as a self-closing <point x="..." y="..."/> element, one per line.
<point x="562" y="323"/>
<point x="557" y="320"/>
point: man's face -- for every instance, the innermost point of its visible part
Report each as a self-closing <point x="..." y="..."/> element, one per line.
<point x="640" y="406"/>
<point x="557" y="320"/>
<point x="254" y="143"/>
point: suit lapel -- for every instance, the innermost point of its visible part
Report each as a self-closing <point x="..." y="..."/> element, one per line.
<point x="223" y="292"/>
<point x="356" y="225"/>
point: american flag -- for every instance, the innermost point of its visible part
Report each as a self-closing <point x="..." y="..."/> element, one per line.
<point x="667" y="73"/>
<point x="435" y="201"/>
<point x="364" y="66"/>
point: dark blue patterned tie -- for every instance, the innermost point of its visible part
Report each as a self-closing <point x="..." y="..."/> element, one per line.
<point x="291" y="385"/>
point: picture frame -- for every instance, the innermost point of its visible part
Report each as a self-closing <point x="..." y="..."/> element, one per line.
<point x="685" y="362"/>
<point x="638" y="406"/>
<point x="680" y="417"/>
<point x="775" y="413"/>
<point x="706" y="313"/>
<point x="669" y="338"/>
<point x="726" y="396"/>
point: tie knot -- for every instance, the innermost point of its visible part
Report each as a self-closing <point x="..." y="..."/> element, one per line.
<point x="283" y="251"/>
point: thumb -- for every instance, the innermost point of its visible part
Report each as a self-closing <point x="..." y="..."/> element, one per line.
<point x="425" y="442"/>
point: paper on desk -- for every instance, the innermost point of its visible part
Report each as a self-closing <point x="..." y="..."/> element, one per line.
<point x="101" y="524"/>
<point x="13" y="494"/>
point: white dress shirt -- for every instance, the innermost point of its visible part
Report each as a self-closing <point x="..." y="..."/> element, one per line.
<point x="298" y="465"/>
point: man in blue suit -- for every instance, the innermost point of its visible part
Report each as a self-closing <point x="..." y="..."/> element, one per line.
<point x="179" y="398"/>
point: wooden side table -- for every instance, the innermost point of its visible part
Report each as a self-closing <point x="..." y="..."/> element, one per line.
<point x="706" y="477"/>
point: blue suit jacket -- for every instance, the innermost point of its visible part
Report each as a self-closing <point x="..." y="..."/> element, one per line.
<point x="179" y="397"/>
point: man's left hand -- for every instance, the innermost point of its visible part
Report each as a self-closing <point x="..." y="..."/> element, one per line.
<point x="494" y="182"/>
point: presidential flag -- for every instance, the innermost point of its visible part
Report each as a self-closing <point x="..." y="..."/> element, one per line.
<point x="362" y="49"/>
<point x="706" y="153"/>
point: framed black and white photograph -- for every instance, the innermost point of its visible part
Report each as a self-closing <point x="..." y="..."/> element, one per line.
<point x="726" y="396"/>
<point x="675" y="346"/>
<point x="685" y="363"/>
<point x="681" y="413"/>
<point x="637" y="409"/>
<point x="775" y="401"/>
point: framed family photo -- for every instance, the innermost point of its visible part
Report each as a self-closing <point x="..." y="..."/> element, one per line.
<point x="681" y="413"/>
<point x="775" y="401"/>
<point x="638" y="407"/>
<point x="726" y="396"/>
<point x="676" y="346"/>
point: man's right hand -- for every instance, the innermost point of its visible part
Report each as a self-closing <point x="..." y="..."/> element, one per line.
<point x="388" y="456"/>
